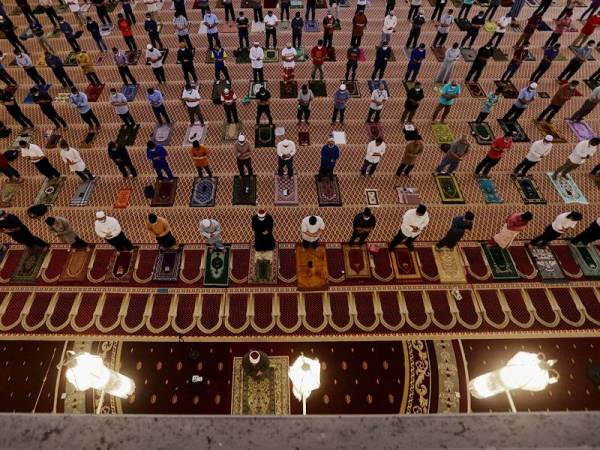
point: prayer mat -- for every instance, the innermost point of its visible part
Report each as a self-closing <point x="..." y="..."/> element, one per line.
<point x="231" y="131"/>
<point x="53" y="140"/>
<point x="303" y="138"/>
<point x="507" y="89"/>
<point x="543" y="95"/>
<point x="100" y="59"/>
<point x="439" y="53"/>
<point x="88" y="140"/>
<point x="49" y="192"/>
<point x="331" y="54"/>
<point x="500" y="262"/>
<point x="300" y="55"/>
<point x="318" y="88"/>
<point x="133" y="57"/>
<point x="408" y="195"/>
<point x="311" y="26"/>
<point x="264" y="136"/>
<point x="283" y="25"/>
<point x="204" y="192"/>
<point x="29" y="266"/>
<point x="546" y="263"/>
<point x="374" y="131"/>
<point x="353" y="88"/>
<point x="217" y="266"/>
<point x="71" y="59"/>
<point x="311" y="268"/>
<point x="288" y="89"/>
<point x="286" y="191"/>
<point x="193" y="133"/>
<point x="337" y="25"/>
<point x="264" y="267"/>
<point x="528" y="190"/>
<point x="549" y="128"/>
<point x="356" y="261"/>
<point x="93" y="92"/>
<point x="475" y="89"/>
<point x="259" y="396"/>
<point x="296" y="4"/>
<point x="121" y="266"/>
<point x="576" y="49"/>
<point x="242" y="56"/>
<point x="76" y="267"/>
<point x="499" y="55"/>
<point x="123" y="197"/>
<point x="127" y="135"/>
<point x="257" y="27"/>
<point x="254" y="88"/>
<point x="129" y="91"/>
<point x="372" y="198"/>
<point x="482" y="132"/>
<point x="463" y="24"/>
<point x="321" y="4"/>
<point x="362" y="56"/>
<point x="514" y="129"/>
<point x="568" y="189"/>
<point x="167" y="265"/>
<point x="408" y="85"/>
<point x="244" y="190"/>
<point x="42" y="87"/>
<point x="339" y="137"/>
<point x="84" y="193"/>
<point x="587" y="259"/>
<point x="164" y="192"/>
<point x="271" y="55"/>
<point x="468" y="54"/>
<point x="543" y="26"/>
<point x="230" y="27"/>
<point x="374" y="84"/>
<point x="490" y="193"/>
<point x="581" y="129"/>
<point x="442" y="133"/>
<point x="448" y="189"/>
<point x="22" y="136"/>
<point x="405" y="264"/>
<point x="8" y="193"/>
<point x="41" y="62"/>
<point x="592" y="84"/>
<point x="61" y="97"/>
<point x="162" y="133"/>
<point x="450" y="265"/>
<point x="530" y="56"/>
<point x="328" y="191"/>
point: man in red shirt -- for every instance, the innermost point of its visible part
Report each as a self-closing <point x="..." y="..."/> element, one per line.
<point x="125" y="27"/>
<point x="228" y="98"/>
<point x="318" y="55"/>
<point x="328" y="27"/>
<point x="6" y="169"/>
<point x="499" y="146"/>
<point x="587" y="30"/>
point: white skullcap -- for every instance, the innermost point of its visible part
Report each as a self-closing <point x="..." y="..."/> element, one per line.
<point x="533" y="85"/>
<point x="100" y="215"/>
<point x="549" y="138"/>
<point x="342" y="87"/>
<point x="149" y="46"/>
<point x="241" y="137"/>
<point x="205" y="223"/>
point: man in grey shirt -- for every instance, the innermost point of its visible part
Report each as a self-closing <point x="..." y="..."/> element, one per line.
<point x="443" y="29"/>
<point x="457" y="151"/>
<point x="119" y="102"/>
<point x="581" y="55"/>
<point x="588" y="106"/>
<point x="305" y="97"/>
<point x="123" y="67"/>
<point x="62" y="229"/>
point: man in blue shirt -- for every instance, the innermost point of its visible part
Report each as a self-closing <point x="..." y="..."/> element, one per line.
<point x="212" y="32"/>
<point x="340" y="99"/>
<point x="67" y="31"/>
<point x="460" y="224"/>
<point x="382" y="56"/>
<point x="151" y="28"/>
<point x="330" y="153"/>
<point x="219" y="56"/>
<point x="57" y="66"/>
<point x="448" y="94"/>
<point x="80" y="101"/>
<point x="94" y="29"/>
<point x="158" y="155"/>
<point x="155" y="98"/>
<point x="550" y="55"/>
<point x="526" y="96"/>
<point x="417" y="56"/>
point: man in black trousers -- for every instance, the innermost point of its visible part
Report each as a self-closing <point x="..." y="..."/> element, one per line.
<point x="12" y="226"/>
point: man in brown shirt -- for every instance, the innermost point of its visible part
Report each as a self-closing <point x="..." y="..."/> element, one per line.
<point x="519" y="55"/>
<point x="562" y="95"/>
<point x="200" y="156"/>
<point x="243" y="153"/>
<point x="412" y="150"/>
<point x="358" y="28"/>
<point x="159" y="227"/>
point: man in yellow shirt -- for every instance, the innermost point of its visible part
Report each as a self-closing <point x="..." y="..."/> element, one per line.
<point x="159" y="227"/>
<point x="85" y="62"/>
<point x="200" y="157"/>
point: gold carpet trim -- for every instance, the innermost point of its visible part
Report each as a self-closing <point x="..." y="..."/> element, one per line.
<point x="448" y="381"/>
<point x="419" y="380"/>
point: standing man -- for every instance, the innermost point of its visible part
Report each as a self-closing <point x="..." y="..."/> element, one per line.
<point x="229" y="100"/>
<point x="481" y="59"/>
<point x="44" y="101"/>
<point x="581" y="55"/>
<point x="448" y="95"/>
<point x="242" y="28"/>
<point x="128" y="11"/>
<point x="87" y="66"/>
<point x="526" y="96"/>
<point x="69" y="34"/>
<point x="375" y="150"/>
<point x="191" y="98"/>
<point x="151" y="28"/>
<point x="550" y="54"/>
<point x="102" y="12"/>
<point x="311" y="6"/>
<point x="50" y="11"/>
<point x="38" y="31"/>
<point x="532" y="24"/>
<point x="119" y="102"/>
<point x="450" y="58"/>
<point x="414" y="222"/>
<point x="185" y="56"/>
<point x="382" y="55"/>
<point x="94" y="29"/>
<point x="264" y="105"/>
<point x="80" y="101"/>
<point x="8" y="28"/>
<point x="63" y="230"/>
<point x="161" y="230"/>
<point x="443" y="29"/>
<point x="109" y="229"/>
<point x="389" y="27"/>
<point x="305" y="97"/>
<point x="460" y="224"/>
<point x="199" y="154"/>
<point x="12" y="226"/>
<point x="311" y="229"/>
<point x="24" y="61"/>
<point x="158" y="155"/>
<point x="438" y="10"/>
<point x="560" y="26"/>
<point x="498" y="148"/>
<point x="359" y="22"/>
<point x="515" y="223"/>
<point x="72" y="158"/>
<point x="587" y="30"/>
<point x="157" y="102"/>
<point x="286" y="150"/>
<point x="262" y="226"/>
<point x="243" y="156"/>
<point x="412" y="150"/>
<point x="455" y="154"/>
<point x="378" y="97"/>
<point x="219" y="61"/>
<point x="318" y="55"/>
<point x="352" y="56"/>
<point x="13" y="108"/>
<point x="417" y="56"/>
<point x="561" y="224"/>
<point x="271" y="29"/>
<point x="537" y="151"/>
<point x="583" y="151"/>
<point x="155" y="58"/>
<point x="212" y="30"/>
<point x="257" y="56"/>
<point x="588" y="106"/>
<point x="330" y="153"/>
<point x="562" y="96"/>
<point x="473" y="31"/>
<point x="125" y="27"/>
<point x="123" y="67"/>
<point x="58" y="68"/>
<point x="501" y="24"/>
<point x="412" y="102"/>
<point x="230" y="13"/>
<point x="288" y="58"/>
<point x="211" y="230"/>
<point x="328" y="27"/>
<point x="297" y="26"/>
<point x="35" y="154"/>
<point x="415" y="30"/>
<point x="182" y="30"/>
<point x="519" y="55"/>
<point x="120" y="156"/>
<point x="340" y="99"/>
<point x="466" y="9"/>
<point x="362" y="225"/>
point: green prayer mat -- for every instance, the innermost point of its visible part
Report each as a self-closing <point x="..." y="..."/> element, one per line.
<point x="263" y="271"/>
<point x="49" y="192"/>
<point x="127" y="134"/>
<point x="500" y="263"/>
<point x="231" y="131"/>
<point x="264" y="136"/>
<point x="244" y="190"/>
<point x="300" y="55"/>
<point x="271" y="55"/>
<point x="318" y="88"/>
<point x="499" y="55"/>
<point x="514" y="129"/>
<point x="448" y="189"/>
<point x="242" y="56"/>
<point x="216" y="267"/>
<point x="71" y="59"/>
<point x="442" y="133"/>
<point x="29" y="265"/>
<point x="587" y="259"/>
<point x="483" y="132"/>
<point x="528" y="190"/>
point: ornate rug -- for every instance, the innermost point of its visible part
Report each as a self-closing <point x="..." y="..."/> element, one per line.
<point x="311" y="26"/>
<point x="242" y="56"/>
<point x="193" y="133"/>
<point x="88" y="140"/>
<point x="450" y="265"/>
<point x="244" y="190"/>
<point x="418" y="378"/>
<point x="76" y="267"/>
<point x="318" y="88"/>
<point x="581" y="129"/>
<point x="123" y="197"/>
<point x="264" y="136"/>
<point x="587" y="258"/>
<point x="442" y="133"/>
<point x="311" y="268"/>
<point x="121" y="266"/>
<point x="507" y="89"/>
<point x="500" y="263"/>
<point x="374" y="131"/>
<point x="356" y="262"/>
<point x="528" y="190"/>
<point x="53" y="139"/>
<point x="353" y="88"/>
<point x="405" y="264"/>
<point x="8" y="193"/>
<point x="83" y="194"/>
<point x="439" y="53"/>
<point x="514" y="129"/>
<point x="133" y="57"/>
<point x="231" y="131"/>
<point x="408" y="195"/>
<point x="164" y="193"/>
<point x="448" y="189"/>
<point x="328" y="191"/>
<point x="204" y="192"/>
<point x="500" y="56"/>
<point x="263" y="266"/>
<point x="484" y="135"/>
<point x="129" y="91"/>
<point x="550" y="128"/>
<point x="547" y="265"/>
<point x="127" y="134"/>
<point x="568" y="189"/>
<point x="93" y="92"/>
<point x="29" y="266"/>
<point x="286" y="190"/>
<point x="475" y="89"/>
<point x="271" y="55"/>
<point x="266" y="396"/>
<point x="167" y="265"/>
<point x="162" y="133"/>
<point x="488" y="188"/>
<point x="216" y="267"/>
<point x="49" y="191"/>
<point x="288" y="89"/>
<point x="468" y="54"/>
<point x="303" y="138"/>
<point x="254" y="88"/>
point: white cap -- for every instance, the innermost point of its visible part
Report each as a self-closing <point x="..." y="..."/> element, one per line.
<point x="241" y="137"/>
<point x="226" y="91"/>
<point x="254" y="357"/>
<point x="100" y="215"/>
<point x="256" y="43"/>
<point x="149" y="46"/>
<point x="533" y="85"/>
<point x="262" y="213"/>
<point x="342" y="87"/>
<point x="285" y="142"/>
<point x="549" y="138"/>
<point x="205" y="223"/>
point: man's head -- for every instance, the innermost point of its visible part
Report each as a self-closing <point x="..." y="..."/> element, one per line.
<point x="269" y="13"/>
<point x="23" y="144"/>
<point x="152" y="218"/>
<point x="182" y="45"/>
<point x="421" y="210"/>
<point x="469" y="216"/>
<point x="590" y="43"/>
<point x="261" y="214"/>
<point x="556" y="46"/>
<point x="330" y="142"/>
<point x="574" y="84"/>
<point x="61" y="19"/>
<point x="115" y="50"/>
<point x="508" y="137"/>
<point x="454" y="83"/>
<point x="100" y="216"/>
<point x="575" y="216"/>
<point x="63" y="144"/>
<point x="149" y="47"/>
<point x="527" y="216"/>
<point x="50" y="221"/>
<point x="455" y="45"/>
<point x="548" y="138"/>
<point x="188" y="87"/>
<point x="417" y="85"/>
<point x="256" y="44"/>
<point x="304" y="88"/>
<point x="297" y="14"/>
<point x="367" y="212"/>
<point x="385" y="44"/>
<point x="148" y="16"/>
<point x="196" y="143"/>
<point x="595" y="141"/>
<point x="241" y="14"/>
<point x="422" y="46"/>
<point x="150" y="91"/>
<point x="74" y="90"/>
<point x="379" y="141"/>
<point x="381" y="87"/>
<point x="113" y="91"/>
<point x="289" y="45"/>
<point x="463" y="139"/>
<point x="241" y="138"/>
<point x="532" y="86"/>
<point x="312" y="220"/>
<point x="320" y="43"/>
<point x="150" y="145"/>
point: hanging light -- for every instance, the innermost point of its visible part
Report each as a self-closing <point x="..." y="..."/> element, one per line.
<point x="85" y="371"/>
<point x="305" y="375"/>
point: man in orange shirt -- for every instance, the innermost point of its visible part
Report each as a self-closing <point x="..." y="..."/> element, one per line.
<point x="587" y="30"/>
<point x="159" y="227"/>
<point x="359" y="22"/>
<point x="200" y="156"/>
<point x="125" y="27"/>
<point x="499" y="146"/>
<point x="318" y="55"/>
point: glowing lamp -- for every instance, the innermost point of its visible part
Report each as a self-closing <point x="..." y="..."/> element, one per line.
<point x="85" y="371"/>
<point x="305" y="375"/>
